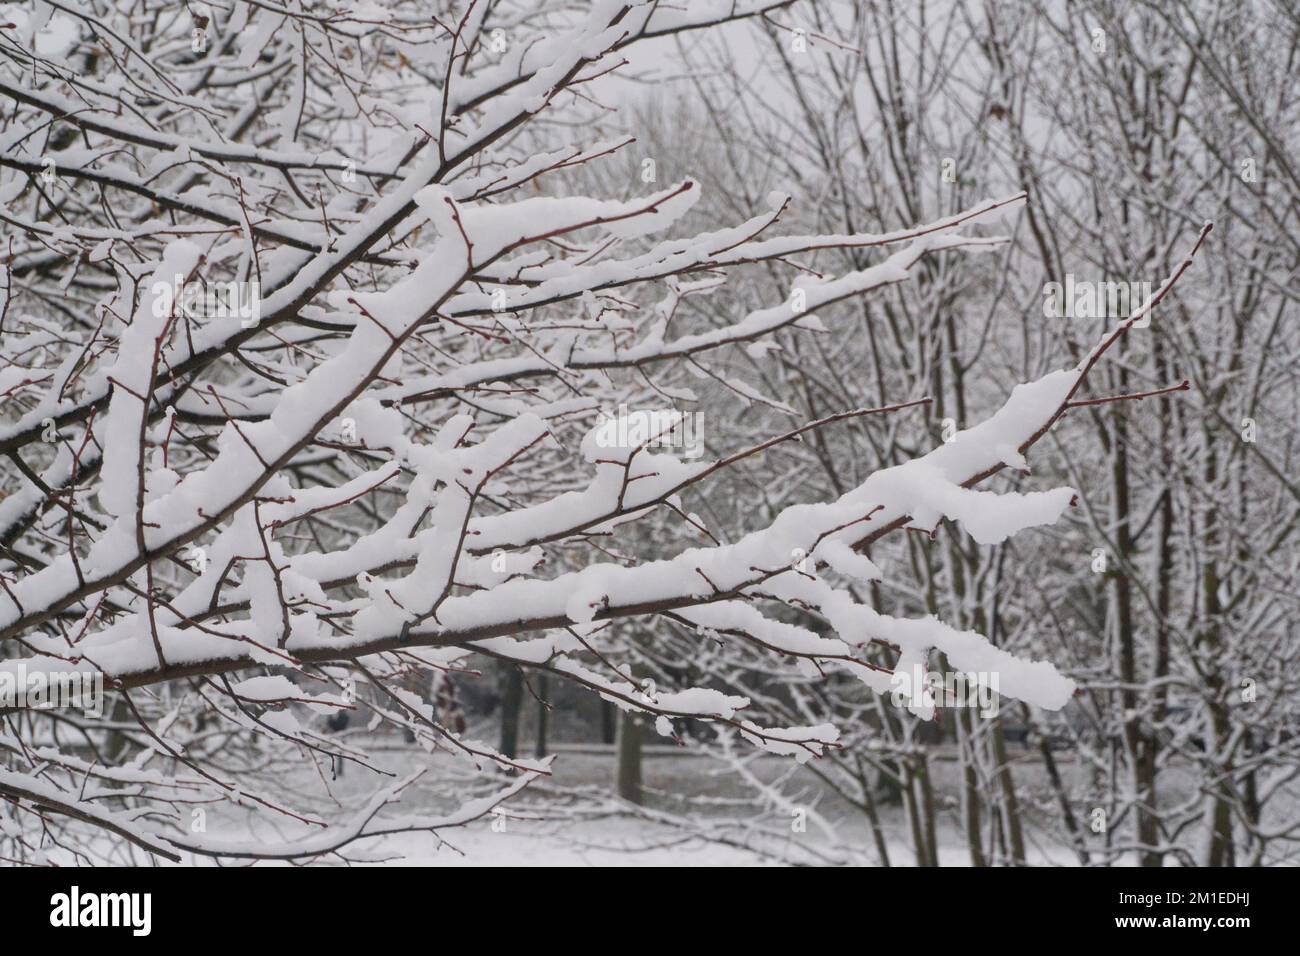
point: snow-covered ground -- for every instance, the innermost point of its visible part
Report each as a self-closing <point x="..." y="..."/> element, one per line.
<point x="695" y="813"/>
<point x="614" y="842"/>
<point x="572" y="819"/>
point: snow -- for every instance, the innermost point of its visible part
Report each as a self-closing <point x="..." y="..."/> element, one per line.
<point x="132" y="375"/>
<point x="405" y="466"/>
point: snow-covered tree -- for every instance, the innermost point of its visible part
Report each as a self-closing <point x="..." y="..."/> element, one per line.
<point x="318" y="374"/>
<point x="1167" y="594"/>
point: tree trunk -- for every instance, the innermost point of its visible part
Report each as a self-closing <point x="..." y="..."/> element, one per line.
<point x="1010" y="803"/>
<point x="627" y="778"/>
<point x="608" y="722"/>
<point x="970" y="788"/>
<point x="543" y="714"/>
<point x="512" y="695"/>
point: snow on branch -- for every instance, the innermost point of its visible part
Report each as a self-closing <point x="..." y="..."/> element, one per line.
<point x="301" y="378"/>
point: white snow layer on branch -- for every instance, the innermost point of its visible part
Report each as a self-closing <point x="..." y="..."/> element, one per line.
<point x="927" y="488"/>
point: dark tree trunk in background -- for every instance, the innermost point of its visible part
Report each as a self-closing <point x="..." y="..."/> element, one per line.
<point x="512" y="695"/>
<point x="543" y="714"/>
<point x="608" y="720"/>
<point x="627" y="778"/>
<point x="116" y="743"/>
